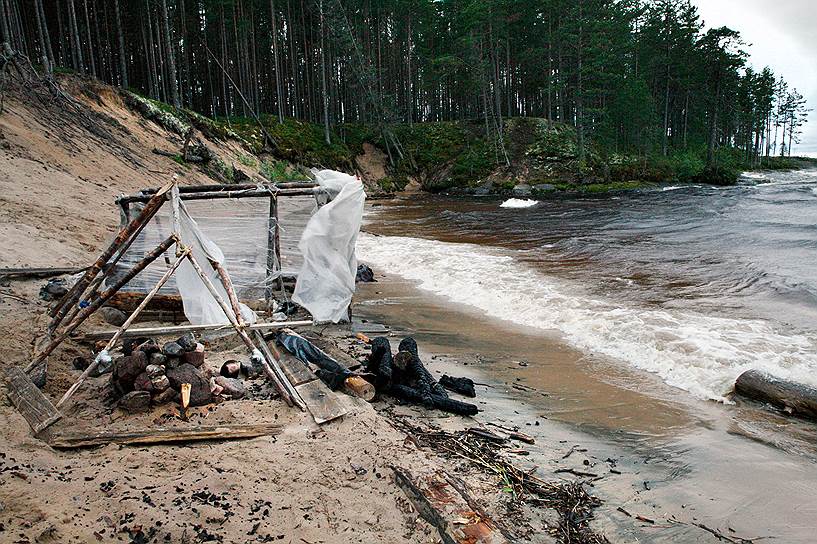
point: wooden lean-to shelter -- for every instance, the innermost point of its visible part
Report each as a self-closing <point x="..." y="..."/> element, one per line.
<point x="161" y="248"/>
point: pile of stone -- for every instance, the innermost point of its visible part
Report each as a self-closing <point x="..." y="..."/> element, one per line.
<point x="148" y="373"/>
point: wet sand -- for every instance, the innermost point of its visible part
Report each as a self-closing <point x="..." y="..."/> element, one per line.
<point x="683" y="463"/>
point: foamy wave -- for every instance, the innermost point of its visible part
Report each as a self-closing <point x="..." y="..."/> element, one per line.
<point x="701" y="354"/>
<point x="518" y="203"/>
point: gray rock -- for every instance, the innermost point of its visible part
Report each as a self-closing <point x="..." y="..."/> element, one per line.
<point x="233" y="387"/>
<point x="187" y="342"/>
<point x="168" y="395"/>
<point x="154" y="371"/>
<point x="544" y="188"/>
<point x="148" y="347"/>
<point x="199" y="383"/>
<point x="126" y="369"/>
<point x="172" y="349"/>
<point x="160" y="383"/>
<point x="158" y="359"/>
<point x="113" y="316"/>
<point x="484" y="189"/>
<point x="251" y="370"/>
<point x="522" y="189"/>
<point x="135" y="402"/>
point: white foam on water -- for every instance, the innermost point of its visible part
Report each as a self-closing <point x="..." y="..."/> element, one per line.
<point x="676" y="187"/>
<point x="518" y="203"/>
<point x="698" y="353"/>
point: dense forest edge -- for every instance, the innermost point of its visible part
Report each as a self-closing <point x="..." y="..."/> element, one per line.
<point x="458" y="95"/>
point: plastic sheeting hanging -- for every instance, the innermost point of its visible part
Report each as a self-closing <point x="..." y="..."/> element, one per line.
<point x="241" y="229"/>
<point x="326" y="281"/>
<point x="200" y="307"/>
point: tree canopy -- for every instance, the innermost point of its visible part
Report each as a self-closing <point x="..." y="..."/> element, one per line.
<point x="629" y="75"/>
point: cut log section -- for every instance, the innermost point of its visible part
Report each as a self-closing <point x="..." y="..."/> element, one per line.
<point x="160" y="435"/>
<point x="37" y="410"/>
<point x="794" y="398"/>
<point x="444" y="502"/>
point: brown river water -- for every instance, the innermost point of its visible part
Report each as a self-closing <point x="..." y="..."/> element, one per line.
<point x="617" y="326"/>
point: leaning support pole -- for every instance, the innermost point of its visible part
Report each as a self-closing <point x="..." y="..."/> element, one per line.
<point x="132" y="229"/>
<point x="276" y="367"/>
<point x="241" y="333"/>
<point x="112" y="342"/>
<point x="86" y="312"/>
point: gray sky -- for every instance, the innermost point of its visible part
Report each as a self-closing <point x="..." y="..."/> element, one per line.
<point x="783" y="35"/>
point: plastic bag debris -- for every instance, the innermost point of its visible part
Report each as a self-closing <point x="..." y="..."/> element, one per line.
<point x="326" y="281"/>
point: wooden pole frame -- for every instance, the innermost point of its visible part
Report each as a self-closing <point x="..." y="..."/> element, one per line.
<point x="268" y="355"/>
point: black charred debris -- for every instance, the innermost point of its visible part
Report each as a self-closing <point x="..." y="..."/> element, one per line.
<point x="404" y="376"/>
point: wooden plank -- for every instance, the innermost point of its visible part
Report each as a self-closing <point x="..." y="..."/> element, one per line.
<point x="444" y="502"/>
<point x="295" y="370"/>
<point x="322" y="403"/>
<point x="158" y="331"/>
<point x="30" y="401"/>
<point x="161" y="435"/>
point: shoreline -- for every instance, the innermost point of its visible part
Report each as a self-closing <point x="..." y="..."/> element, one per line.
<point x="682" y="459"/>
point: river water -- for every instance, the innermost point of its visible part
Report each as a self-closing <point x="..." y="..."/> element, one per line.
<point x="634" y="314"/>
<point x="695" y="284"/>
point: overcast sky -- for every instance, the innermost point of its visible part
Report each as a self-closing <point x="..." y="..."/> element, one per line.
<point x="781" y="34"/>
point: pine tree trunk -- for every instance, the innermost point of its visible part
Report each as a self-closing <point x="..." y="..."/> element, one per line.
<point x="123" y="65"/>
<point x="79" y="63"/>
<point x="580" y="89"/>
<point x="326" y="134"/>
<point x="88" y="37"/>
<point x="171" y="59"/>
<point x="278" y="91"/>
<point x="4" y="21"/>
<point x="48" y="50"/>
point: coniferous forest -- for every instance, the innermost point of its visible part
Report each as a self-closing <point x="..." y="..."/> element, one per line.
<point x="629" y="76"/>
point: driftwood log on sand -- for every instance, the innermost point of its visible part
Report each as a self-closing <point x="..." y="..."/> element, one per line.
<point x="794" y="398"/>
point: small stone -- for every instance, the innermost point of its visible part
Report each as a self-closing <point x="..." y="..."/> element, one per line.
<point x="522" y="189"/>
<point x="544" y="188"/>
<point x="187" y="342"/>
<point x="113" y="316"/>
<point x="233" y="387"/>
<point x="154" y="371"/>
<point x="130" y="344"/>
<point x="195" y="357"/>
<point x="199" y="384"/>
<point x="126" y="369"/>
<point x="143" y="383"/>
<point x="158" y="359"/>
<point x="105" y="365"/>
<point x="148" y="347"/>
<point x="160" y="383"/>
<point x="172" y="349"/>
<point x="168" y="395"/>
<point x="251" y="370"/>
<point x="135" y="402"/>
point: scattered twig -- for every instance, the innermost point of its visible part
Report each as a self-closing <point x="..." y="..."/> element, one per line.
<point x="569" y="498"/>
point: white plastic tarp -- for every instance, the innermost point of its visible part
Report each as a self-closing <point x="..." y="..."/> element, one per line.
<point x="200" y="307"/>
<point x="326" y="281"/>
